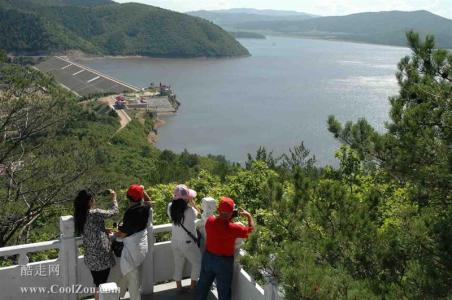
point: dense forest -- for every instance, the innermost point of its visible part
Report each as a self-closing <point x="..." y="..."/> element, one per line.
<point x="377" y="227"/>
<point x="106" y="27"/>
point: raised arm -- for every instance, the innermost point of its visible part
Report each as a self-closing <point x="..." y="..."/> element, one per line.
<point x="147" y="198"/>
<point x="114" y="210"/>
<point x="193" y="204"/>
<point x="246" y="214"/>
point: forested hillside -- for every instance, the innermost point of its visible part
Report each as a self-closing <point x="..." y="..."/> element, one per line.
<point x="387" y="27"/>
<point x="377" y="227"/>
<point x="106" y="27"/>
<point x="69" y="2"/>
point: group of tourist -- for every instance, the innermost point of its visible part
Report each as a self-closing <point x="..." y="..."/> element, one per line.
<point x="209" y="244"/>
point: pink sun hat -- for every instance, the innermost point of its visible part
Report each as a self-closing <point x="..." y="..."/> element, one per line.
<point x="183" y="192"/>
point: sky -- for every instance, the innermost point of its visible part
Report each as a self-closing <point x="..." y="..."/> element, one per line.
<point x="323" y="7"/>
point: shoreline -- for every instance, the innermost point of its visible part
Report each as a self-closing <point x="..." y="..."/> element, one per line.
<point x="153" y="135"/>
<point x="331" y="39"/>
<point x="77" y="54"/>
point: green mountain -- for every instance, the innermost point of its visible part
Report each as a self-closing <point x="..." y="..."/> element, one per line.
<point x="69" y="2"/>
<point x="232" y="17"/>
<point x="106" y="27"/>
<point x="387" y="27"/>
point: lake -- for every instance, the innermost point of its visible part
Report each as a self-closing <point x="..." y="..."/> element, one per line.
<point x="278" y="97"/>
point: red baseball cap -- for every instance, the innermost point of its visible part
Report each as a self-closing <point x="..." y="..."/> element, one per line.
<point x="136" y="192"/>
<point x="226" y="205"/>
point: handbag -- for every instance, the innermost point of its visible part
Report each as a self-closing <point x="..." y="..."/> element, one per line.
<point x="117" y="247"/>
<point x="197" y="240"/>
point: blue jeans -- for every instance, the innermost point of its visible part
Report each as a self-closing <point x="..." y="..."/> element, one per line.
<point x="216" y="267"/>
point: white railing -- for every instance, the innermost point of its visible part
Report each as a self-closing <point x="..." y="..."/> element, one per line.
<point x="23" y="250"/>
<point x="69" y="273"/>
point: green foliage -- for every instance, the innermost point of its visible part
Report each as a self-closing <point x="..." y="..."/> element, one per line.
<point x="116" y="29"/>
<point x="42" y="167"/>
<point x="416" y="147"/>
<point x="249" y="187"/>
<point x="3" y="56"/>
<point x="24" y="31"/>
<point x="377" y="227"/>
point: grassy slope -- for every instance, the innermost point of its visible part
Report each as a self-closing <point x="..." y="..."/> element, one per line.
<point x="115" y="29"/>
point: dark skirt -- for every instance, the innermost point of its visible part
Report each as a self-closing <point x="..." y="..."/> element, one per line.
<point x="100" y="277"/>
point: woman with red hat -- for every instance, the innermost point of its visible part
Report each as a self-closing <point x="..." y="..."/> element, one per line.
<point x="133" y="233"/>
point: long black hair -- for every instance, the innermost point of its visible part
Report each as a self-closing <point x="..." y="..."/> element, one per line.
<point x="177" y="210"/>
<point x="81" y="207"/>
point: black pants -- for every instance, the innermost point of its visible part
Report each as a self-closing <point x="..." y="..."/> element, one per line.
<point x="100" y="277"/>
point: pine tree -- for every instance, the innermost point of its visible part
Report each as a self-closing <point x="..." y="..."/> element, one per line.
<point x="416" y="146"/>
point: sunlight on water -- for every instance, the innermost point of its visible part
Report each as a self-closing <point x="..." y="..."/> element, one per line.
<point x="276" y="98"/>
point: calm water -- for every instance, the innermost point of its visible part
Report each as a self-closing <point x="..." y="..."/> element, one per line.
<point x="276" y="98"/>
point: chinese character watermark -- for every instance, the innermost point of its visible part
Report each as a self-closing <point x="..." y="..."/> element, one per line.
<point x="40" y="270"/>
<point x="26" y="271"/>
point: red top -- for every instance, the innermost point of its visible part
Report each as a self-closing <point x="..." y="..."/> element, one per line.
<point x="221" y="235"/>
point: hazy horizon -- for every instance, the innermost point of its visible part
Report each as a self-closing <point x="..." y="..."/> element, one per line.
<point x="325" y="8"/>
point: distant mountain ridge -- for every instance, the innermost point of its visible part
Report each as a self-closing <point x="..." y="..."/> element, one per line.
<point x="263" y="12"/>
<point x="386" y="27"/>
<point x="107" y="27"/>
<point x="229" y="18"/>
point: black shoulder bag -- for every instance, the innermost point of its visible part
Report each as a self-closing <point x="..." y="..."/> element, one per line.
<point x="117" y="247"/>
<point x="196" y="240"/>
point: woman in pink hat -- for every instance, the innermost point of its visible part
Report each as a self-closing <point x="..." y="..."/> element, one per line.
<point x="182" y="211"/>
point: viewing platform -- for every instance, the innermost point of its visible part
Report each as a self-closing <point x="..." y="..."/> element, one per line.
<point x="68" y="278"/>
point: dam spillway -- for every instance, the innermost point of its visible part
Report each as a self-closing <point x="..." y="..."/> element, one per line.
<point x="81" y="80"/>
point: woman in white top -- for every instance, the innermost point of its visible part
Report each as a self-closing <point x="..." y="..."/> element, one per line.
<point x="182" y="211"/>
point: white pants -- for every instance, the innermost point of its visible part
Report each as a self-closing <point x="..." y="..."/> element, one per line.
<point x="132" y="282"/>
<point x="190" y="251"/>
